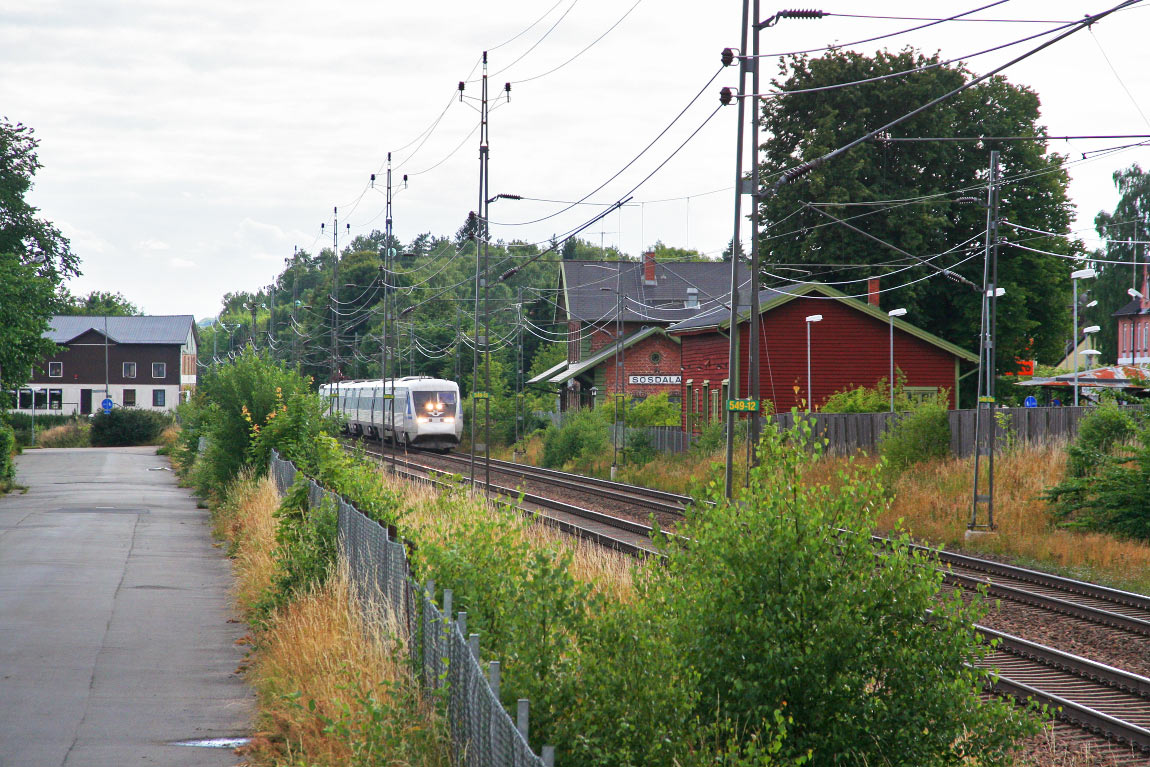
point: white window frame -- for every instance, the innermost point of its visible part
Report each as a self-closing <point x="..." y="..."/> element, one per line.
<point x="124" y="369"/>
<point x="58" y="367"/>
<point x="163" y="370"/>
<point x="58" y="394"/>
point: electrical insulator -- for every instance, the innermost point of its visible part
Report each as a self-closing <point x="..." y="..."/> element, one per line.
<point x="802" y="14"/>
<point x="373" y="181"/>
<point x="728" y="57"/>
<point x="461" y="90"/>
<point x="507" y="90"/>
<point x="725" y="96"/>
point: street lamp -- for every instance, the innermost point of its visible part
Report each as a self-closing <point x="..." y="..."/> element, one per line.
<point x="1133" y="293"/>
<point x="620" y="383"/>
<point x="811" y="318"/>
<point x="891" y="315"/>
<point x="1081" y="274"/>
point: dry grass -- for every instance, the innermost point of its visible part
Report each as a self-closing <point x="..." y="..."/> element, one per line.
<point x="320" y="645"/>
<point x="71" y="434"/>
<point x="168" y="437"/>
<point x="934" y="498"/>
<point x="245" y="519"/>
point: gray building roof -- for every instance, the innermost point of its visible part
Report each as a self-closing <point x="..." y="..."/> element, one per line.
<point x="163" y="329"/>
<point x="589" y="289"/>
<point x="1134" y="307"/>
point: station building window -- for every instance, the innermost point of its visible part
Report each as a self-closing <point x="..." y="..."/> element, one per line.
<point x="159" y="369"/>
<point x="129" y="370"/>
<point x="55" y="399"/>
<point x="159" y="396"/>
<point x="129" y="397"/>
<point x="55" y="369"/>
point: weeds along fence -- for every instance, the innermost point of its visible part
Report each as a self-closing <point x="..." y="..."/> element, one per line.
<point x="665" y="439"/>
<point x="444" y="656"/>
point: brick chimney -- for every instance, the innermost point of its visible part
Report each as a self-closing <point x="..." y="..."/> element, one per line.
<point x="872" y="291"/>
<point x="649" y="268"/>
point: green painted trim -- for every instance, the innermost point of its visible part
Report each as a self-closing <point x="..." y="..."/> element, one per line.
<point x="854" y="303"/>
<point x="605" y="353"/>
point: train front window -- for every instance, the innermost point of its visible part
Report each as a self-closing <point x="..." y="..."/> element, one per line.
<point x="434" y="403"/>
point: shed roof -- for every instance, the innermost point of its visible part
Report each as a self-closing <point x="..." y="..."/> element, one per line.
<point x="719" y="319"/>
<point x="589" y="289"/>
<point x="154" y="329"/>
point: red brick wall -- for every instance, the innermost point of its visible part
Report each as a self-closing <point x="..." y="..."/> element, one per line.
<point x="637" y="361"/>
<point x="848" y="348"/>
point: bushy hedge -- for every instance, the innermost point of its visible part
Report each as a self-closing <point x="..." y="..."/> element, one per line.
<point x="7" y="450"/>
<point x="922" y="434"/>
<point x="127" y="426"/>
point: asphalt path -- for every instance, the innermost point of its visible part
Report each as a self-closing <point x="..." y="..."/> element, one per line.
<point x="114" y="636"/>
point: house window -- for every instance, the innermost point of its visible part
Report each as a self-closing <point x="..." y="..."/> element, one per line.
<point x="158" y="397"/>
<point x="129" y="397"/>
<point x="129" y="370"/>
<point x="55" y="399"/>
<point x="41" y="402"/>
<point x="24" y="401"/>
<point x="920" y="394"/>
<point x="159" y="369"/>
<point x="55" y="369"/>
<point x="692" y="298"/>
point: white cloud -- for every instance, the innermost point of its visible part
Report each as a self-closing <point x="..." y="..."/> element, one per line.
<point x="181" y="263"/>
<point x="152" y="245"/>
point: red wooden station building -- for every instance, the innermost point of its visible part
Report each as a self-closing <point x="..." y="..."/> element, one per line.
<point x="850" y="345"/>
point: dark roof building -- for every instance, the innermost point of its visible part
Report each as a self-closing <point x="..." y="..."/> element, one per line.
<point x="1134" y="326"/>
<point x="627" y="306"/>
<point x="143" y="362"/>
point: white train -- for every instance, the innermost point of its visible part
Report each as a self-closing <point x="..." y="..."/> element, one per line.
<point x="423" y="411"/>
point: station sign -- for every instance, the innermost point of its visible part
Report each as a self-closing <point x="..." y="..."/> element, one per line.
<point x="743" y="405"/>
<point x="656" y="380"/>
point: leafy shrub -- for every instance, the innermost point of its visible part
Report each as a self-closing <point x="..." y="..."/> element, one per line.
<point x="922" y="434"/>
<point x="233" y="404"/>
<point x="21" y="423"/>
<point x="778" y="600"/>
<point x="583" y="434"/>
<point x="1099" y="433"/>
<point x="656" y="410"/>
<point x="7" y="450"/>
<point x="1113" y="493"/>
<point x="72" y="434"/>
<point x="872" y="399"/>
<point x="127" y="426"/>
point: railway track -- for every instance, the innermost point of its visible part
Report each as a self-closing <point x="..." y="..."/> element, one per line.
<point x="1109" y="702"/>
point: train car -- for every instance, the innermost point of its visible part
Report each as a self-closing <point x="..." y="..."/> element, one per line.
<point x="422" y="411"/>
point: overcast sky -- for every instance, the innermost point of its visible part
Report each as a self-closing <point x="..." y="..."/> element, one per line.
<point x="187" y="147"/>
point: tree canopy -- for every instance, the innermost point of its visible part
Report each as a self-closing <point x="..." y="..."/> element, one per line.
<point x="98" y="303"/>
<point x="35" y="258"/>
<point x="1121" y="229"/>
<point x="907" y="194"/>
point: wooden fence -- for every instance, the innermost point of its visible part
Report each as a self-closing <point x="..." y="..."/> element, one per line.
<point x="850" y="432"/>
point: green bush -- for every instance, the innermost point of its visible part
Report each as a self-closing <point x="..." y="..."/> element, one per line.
<point x="656" y="410"/>
<point x="778" y="601"/>
<point x="583" y="434"/>
<point x="922" y="434"/>
<point x="74" y="433"/>
<point x="1102" y="430"/>
<point x="127" y="426"/>
<point x="22" y="424"/>
<point x="1113" y="493"/>
<point x="7" y="450"/>
<point x="872" y="399"/>
<point x="234" y="404"/>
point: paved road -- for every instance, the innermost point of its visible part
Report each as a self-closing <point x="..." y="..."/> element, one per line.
<point x="114" y="640"/>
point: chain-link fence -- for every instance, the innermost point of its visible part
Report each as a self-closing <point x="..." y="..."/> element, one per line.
<point x="445" y="657"/>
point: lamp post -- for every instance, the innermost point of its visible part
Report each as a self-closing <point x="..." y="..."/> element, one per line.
<point x="1075" y="276"/>
<point x="812" y="318"/>
<point x="890" y="382"/>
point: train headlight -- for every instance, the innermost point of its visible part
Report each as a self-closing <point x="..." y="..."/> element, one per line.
<point x="421" y="419"/>
<point x="448" y="419"/>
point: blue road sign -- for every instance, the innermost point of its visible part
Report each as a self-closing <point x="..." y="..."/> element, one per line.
<point x="1030" y="401"/>
<point x="107" y="405"/>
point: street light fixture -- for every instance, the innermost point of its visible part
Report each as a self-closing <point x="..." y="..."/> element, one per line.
<point x="1133" y="293"/>
<point x="890" y="382"/>
<point x="811" y="318"/>
<point x="1075" y="276"/>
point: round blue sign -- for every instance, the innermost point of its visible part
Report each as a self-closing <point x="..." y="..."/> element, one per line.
<point x="1030" y="402"/>
<point x="106" y="403"/>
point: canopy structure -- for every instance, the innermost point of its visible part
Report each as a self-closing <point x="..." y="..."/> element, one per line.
<point x="1111" y="377"/>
